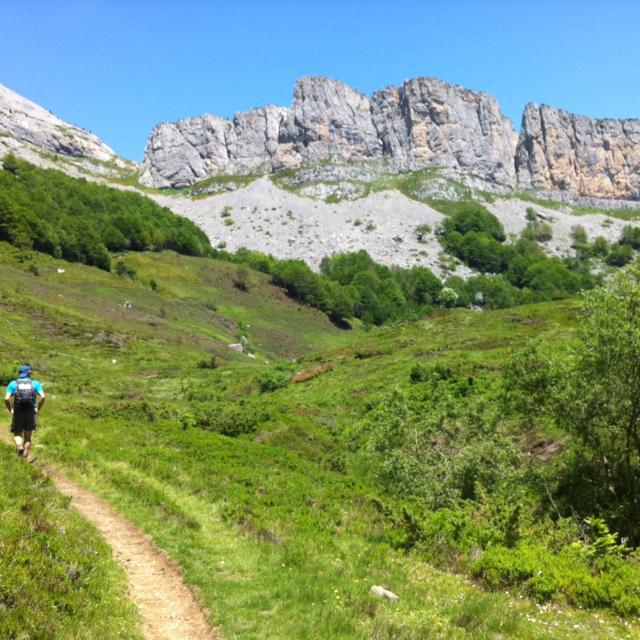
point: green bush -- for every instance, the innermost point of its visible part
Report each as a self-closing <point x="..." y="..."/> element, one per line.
<point x="474" y="217"/>
<point x="619" y="255"/>
<point x="543" y="575"/>
<point x="272" y="380"/>
<point x="631" y="236"/>
<point x="230" y="421"/>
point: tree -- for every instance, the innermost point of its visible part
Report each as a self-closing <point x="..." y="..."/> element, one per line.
<point x="474" y="217"/>
<point x="593" y="394"/>
<point x="604" y="397"/>
<point x="619" y="255"/>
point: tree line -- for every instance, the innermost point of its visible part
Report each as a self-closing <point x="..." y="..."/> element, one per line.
<point x="82" y="221"/>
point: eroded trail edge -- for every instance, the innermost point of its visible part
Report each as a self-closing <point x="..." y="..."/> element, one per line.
<point x="168" y="608"/>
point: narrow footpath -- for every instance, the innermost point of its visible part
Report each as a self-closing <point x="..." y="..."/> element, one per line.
<point x="168" y="608"/>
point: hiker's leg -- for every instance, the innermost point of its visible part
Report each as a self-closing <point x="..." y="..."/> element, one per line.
<point x="27" y="443"/>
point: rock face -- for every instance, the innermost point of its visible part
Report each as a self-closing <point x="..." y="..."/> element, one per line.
<point x="561" y="151"/>
<point x="22" y="119"/>
<point x="426" y="122"/>
<point x="448" y="126"/>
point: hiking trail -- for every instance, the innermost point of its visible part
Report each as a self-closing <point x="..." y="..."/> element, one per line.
<point x="169" y="610"/>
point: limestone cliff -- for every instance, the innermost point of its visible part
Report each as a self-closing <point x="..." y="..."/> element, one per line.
<point x="26" y="121"/>
<point x="561" y="151"/>
<point x="426" y="122"/>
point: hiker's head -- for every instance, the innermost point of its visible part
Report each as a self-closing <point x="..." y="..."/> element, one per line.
<point x="24" y="370"/>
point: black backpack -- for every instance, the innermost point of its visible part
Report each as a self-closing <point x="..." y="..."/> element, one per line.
<point x="25" y="395"/>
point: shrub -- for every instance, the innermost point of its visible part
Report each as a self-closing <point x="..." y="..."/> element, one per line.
<point x="619" y="255"/>
<point x="272" y="380"/>
<point x="599" y="247"/>
<point x="579" y="235"/>
<point x="422" y="230"/>
<point x="448" y="297"/>
<point x="474" y="217"/>
<point x="124" y="270"/>
<point x="631" y="236"/>
<point x="209" y="363"/>
<point x="241" y="278"/>
<point x="229" y="421"/>
<point x="481" y="251"/>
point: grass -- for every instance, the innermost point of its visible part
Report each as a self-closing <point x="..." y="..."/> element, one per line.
<point x="199" y="189"/>
<point x="57" y="576"/>
<point x="280" y="529"/>
<point x="411" y="184"/>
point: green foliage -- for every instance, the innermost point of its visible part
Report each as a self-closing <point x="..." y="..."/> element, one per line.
<point x="631" y="236"/>
<point x="232" y="421"/>
<point x="481" y="251"/>
<point x="542" y="574"/>
<point x="529" y="274"/>
<point x="599" y="247"/>
<point x="272" y="379"/>
<point x="536" y="230"/>
<point x="210" y="363"/>
<point x="591" y="393"/>
<point x="291" y="508"/>
<point x="619" y="255"/>
<point x="579" y="235"/>
<point x="600" y="541"/>
<point x="124" y="270"/>
<point x="473" y="217"/>
<point x="82" y="221"/>
<point x="241" y="278"/>
<point x="428" y="443"/>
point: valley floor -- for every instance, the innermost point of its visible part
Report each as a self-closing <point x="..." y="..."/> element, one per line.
<point x="275" y="532"/>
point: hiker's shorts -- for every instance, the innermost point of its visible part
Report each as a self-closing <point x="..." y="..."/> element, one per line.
<point x="23" y="420"/>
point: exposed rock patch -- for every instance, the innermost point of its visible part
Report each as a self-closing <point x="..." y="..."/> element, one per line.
<point x="26" y="121"/>
<point x="563" y="152"/>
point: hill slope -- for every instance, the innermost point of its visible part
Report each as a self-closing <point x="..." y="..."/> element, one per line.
<point x="250" y="481"/>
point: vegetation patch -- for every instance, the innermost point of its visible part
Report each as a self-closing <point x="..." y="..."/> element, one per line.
<point x="81" y="221"/>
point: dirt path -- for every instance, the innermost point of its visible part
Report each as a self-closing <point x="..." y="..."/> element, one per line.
<point x="168" y="608"/>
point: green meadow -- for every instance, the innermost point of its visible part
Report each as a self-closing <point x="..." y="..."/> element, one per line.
<point x="286" y="486"/>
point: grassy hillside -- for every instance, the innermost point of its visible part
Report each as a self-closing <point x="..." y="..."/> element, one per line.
<point x="272" y="494"/>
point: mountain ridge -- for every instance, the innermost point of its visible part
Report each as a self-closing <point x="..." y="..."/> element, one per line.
<point x="425" y="122"/>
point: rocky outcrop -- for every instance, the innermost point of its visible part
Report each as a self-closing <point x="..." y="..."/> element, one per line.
<point x="181" y="153"/>
<point x="327" y="121"/>
<point x="26" y="121"/>
<point x="563" y="152"/>
<point x="447" y="126"/>
<point x="426" y="122"/>
<point x="423" y="123"/>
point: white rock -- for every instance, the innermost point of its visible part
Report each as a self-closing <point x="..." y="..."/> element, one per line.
<point x="381" y="592"/>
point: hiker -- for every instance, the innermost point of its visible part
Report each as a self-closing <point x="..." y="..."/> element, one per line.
<point x="24" y="399"/>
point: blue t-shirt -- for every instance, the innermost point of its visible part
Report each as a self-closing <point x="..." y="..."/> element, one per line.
<point x="13" y="387"/>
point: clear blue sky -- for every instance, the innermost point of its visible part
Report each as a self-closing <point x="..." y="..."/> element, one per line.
<point x="119" y="67"/>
